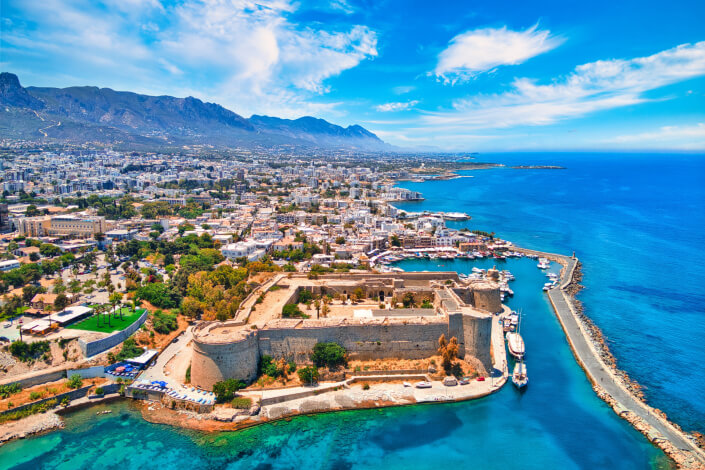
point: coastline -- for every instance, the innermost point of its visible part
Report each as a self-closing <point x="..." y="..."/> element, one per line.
<point x="651" y="422"/>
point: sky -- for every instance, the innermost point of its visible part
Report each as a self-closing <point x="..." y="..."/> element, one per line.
<point x="452" y="75"/>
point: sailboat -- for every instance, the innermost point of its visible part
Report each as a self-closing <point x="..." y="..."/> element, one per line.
<point x="520" y="379"/>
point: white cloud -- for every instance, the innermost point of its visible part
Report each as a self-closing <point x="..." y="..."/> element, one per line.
<point x="398" y="106"/>
<point x="481" y="50"/>
<point x="689" y="137"/>
<point x="596" y="86"/>
<point x="244" y="54"/>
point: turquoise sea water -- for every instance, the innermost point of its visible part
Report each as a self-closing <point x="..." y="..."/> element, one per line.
<point x="624" y="220"/>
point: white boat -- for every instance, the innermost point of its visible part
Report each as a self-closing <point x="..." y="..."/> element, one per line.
<point x="516" y="344"/>
<point x="407" y="384"/>
<point x="519" y="377"/>
<point x="478" y="270"/>
<point x="544" y="263"/>
<point x="423" y="384"/>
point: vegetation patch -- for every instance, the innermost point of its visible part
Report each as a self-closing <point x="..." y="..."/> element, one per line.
<point x="28" y="352"/>
<point x="225" y="390"/>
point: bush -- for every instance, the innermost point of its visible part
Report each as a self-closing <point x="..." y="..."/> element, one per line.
<point x="226" y="390"/>
<point x="267" y="366"/>
<point x="27" y="352"/>
<point x="188" y="374"/>
<point x="75" y="381"/>
<point x="366" y="386"/>
<point x="241" y="403"/>
<point x="331" y="355"/>
<point x="308" y="375"/>
<point x="129" y="349"/>
<point x="35" y="396"/>
<point x="99" y="390"/>
<point x="164" y="323"/>
<point x="292" y="311"/>
<point x="305" y="296"/>
<point x="9" y="389"/>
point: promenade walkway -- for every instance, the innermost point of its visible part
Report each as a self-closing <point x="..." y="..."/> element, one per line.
<point x="599" y="373"/>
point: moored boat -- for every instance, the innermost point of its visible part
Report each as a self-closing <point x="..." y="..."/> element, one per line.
<point x="515" y="344"/>
<point x="520" y="379"/>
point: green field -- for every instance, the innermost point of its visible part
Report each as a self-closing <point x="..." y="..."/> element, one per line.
<point x="91" y="324"/>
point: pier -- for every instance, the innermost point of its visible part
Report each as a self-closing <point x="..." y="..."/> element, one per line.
<point x="606" y="383"/>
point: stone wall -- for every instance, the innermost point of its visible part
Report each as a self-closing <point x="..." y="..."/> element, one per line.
<point x="101" y="345"/>
<point x="37" y="379"/>
<point x="213" y="363"/>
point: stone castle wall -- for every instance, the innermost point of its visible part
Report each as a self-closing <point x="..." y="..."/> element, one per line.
<point x="213" y="362"/>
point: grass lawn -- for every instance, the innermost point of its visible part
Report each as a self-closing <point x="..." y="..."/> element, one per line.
<point x="91" y="323"/>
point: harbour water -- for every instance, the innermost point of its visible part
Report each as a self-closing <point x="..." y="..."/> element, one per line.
<point x="557" y="423"/>
<point x="637" y="227"/>
<point x="637" y="224"/>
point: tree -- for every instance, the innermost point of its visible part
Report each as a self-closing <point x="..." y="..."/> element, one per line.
<point x="408" y="300"/>
<point x="308" y="375"/>
<point x="448" y="351"/>
<point x="32" y="211"/>
<point x="330" y="355"/>
<point x="115" y="299"/>
<point x="226" y="389"/>
<point x="75" y="381"/>
<point x="61" y="302"/>
<point x="340" y="240"/>
<point x="396" y="241"/>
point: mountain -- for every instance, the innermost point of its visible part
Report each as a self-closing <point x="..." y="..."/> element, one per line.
<point x="91" y="114"/>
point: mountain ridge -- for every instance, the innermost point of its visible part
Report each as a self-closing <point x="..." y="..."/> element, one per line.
<point x="93" y="114"/>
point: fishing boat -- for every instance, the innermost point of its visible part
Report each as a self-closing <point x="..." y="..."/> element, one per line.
<point x="519" y="377"/>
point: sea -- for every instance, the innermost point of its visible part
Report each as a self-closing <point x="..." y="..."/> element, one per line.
<point x="635" y="221"/>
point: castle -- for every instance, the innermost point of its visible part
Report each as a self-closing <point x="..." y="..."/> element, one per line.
<point x="452" y="307"/>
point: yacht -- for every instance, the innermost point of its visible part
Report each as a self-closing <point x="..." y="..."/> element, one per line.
<point x="519" y="377"/>
<point x="478" y="271"/>
<point x="544" y="263"/>
<point x="516" y="344"/>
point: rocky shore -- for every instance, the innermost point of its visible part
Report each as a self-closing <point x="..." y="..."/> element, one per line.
<point x="29" y="426"/>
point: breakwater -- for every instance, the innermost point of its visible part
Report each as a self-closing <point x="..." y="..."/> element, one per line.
<point x="587" y="342"/>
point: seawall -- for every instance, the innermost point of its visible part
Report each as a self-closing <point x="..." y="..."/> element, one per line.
<point x="606" y="383"/>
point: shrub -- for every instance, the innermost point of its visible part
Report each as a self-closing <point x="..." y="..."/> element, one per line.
<point x="292" y="311"/>
<point x="9" y="389"/>
<point x="129" y="349"/>
<point x="164" y="323"/>
<point x="305" y="296"/>
<point x="426" y="304"/>
<point x="226" y="389"/>
<point x="331" y="355"/>
<point x="35" y="396"/>
<point x="188" y="374"/>
<point x="99" y="390"/>
<point x="366" y="386"/>
<point x="27" y="352"/>
<point x="267" y="366"/>
<point x="241" y="403"/>
<point x="308" y="375"/>
<point x="75" y="381"/>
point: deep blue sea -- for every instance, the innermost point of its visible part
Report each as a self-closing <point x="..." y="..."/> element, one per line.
<point x="636" y="223"/>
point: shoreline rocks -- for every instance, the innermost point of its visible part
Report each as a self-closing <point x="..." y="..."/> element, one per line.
<point x="30" y="426"/>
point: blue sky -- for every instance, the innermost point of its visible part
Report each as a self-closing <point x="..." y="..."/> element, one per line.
<point x="465" y="75"/>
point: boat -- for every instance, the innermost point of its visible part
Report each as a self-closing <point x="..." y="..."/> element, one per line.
<point x="423" y="384"/>
<point x="520" y="379"/>
<point x="544" y="263"/>
<point x="516" y="344"/>
<point x="407" y="384"/>
<point x="478" y="270"/>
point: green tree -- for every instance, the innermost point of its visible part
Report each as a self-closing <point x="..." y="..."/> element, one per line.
<point x="61" y="302"/>
<point x="225" y="390"/>
<point x="308" y="375"/>
<point x="75" y="381"/>
<point x="329" y="354"/>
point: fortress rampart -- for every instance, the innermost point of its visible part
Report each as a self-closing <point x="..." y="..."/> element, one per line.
<point x="233" y="350"/>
